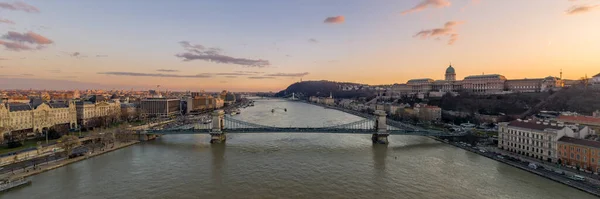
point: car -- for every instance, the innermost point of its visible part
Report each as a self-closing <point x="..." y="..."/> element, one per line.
<point x="559" y="172"/>
<point x="500" y="156"/>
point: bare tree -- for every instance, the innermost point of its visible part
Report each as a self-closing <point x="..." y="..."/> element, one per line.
<point x="68" y="143"/>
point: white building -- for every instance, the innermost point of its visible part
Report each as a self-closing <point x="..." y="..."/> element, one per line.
<point x="536" y="139"/>
<point x="90" y="113"/>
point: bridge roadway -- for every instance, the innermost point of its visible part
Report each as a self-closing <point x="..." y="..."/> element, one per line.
<point x="304" y="130"/>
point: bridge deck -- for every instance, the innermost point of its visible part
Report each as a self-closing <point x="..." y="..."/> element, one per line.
<point x="300" y="130"/>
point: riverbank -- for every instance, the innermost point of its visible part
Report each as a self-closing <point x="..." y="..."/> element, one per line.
<point x="548" y="174"/>
<point x="63" y="162"/>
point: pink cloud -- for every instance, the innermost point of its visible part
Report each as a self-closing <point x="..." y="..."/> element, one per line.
<point x="18" y="41"/>
<point x="437" y="33"/>
<point x="335" y="20"/>
<point x="15" y="46"/>
<point x="6" y="21"/>
<point x="428" y="3"/>
<point x="19" y="6"/>
<point x="581" y="9"/>
<point x="29" y="37"/>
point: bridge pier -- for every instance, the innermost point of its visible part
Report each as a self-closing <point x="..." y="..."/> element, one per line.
<point x="381" y="134"/>
<point x="217" y="135"/>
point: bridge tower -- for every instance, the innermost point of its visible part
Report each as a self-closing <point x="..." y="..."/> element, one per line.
<point x="381" y="134"/>
<point x="217" y="135"/>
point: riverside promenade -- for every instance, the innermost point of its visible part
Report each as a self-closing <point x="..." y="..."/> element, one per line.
<point x="30" y="171"/>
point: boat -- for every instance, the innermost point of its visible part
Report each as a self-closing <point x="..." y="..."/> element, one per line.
<point x="7" y="184"/>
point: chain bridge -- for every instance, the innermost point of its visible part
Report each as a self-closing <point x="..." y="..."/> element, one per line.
<point x="376" y="125"/>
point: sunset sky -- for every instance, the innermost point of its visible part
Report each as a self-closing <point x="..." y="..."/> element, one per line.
<point x="265" y="45"/>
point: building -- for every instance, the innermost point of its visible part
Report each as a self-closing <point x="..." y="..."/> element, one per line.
<point x="450" y="74"/>
<point x="428" y="112"/>
<point x="484" y="84"/>
<point x="536" y="139"/>
<point x="420" y="85"/>
<point x="591" y="121"/>
<point x="580" y="153"/>
<point x="35" y="118"/>
<point x="595" y="80"/>
<point x="97" y="111"/>
<point x="129" y="111"/>
<point x="159" y="107"/>
<point x="524" y="85"/>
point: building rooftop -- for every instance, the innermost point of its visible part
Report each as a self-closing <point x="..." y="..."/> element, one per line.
<point x="59" y="105"/>
<point x="590" y="143"/>
<point x="19" y="107"/>
<point x="485" y="76"/>
<point x="597" y="75"/>
<point x="533" y="125"/>
<point x="579" y="119"/>
<point x="450" y="70"/>
<point x="420" y="80"/>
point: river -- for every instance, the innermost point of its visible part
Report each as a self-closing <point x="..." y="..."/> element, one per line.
<point x="291" y="166"/>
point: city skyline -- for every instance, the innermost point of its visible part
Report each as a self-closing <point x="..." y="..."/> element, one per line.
<point x="266" y="45"/>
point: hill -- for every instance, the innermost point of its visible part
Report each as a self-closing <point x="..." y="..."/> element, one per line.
<point x="324" y="89"/>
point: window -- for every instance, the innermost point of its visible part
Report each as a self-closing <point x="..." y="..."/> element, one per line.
<point x="584" y="150"/>
<point x="572" y="156"/>
<point x="577" y="158"/>
<point x="584" y="159"/>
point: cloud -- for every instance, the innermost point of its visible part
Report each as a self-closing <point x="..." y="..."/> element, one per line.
<point x="312" y="40"/>
<point x="581" y="9"/>
<point x="15" y="46"/>
<point x="288" y="74"/>
<point x="230" y="76"/>
<point x="27" y="74"/>
<point x="75" y="54"/>
<point x="260" y="77"/>
<point x="19" y="6"/>
<point x="199" y="52"/>
<point x="68" y="77"/>
<point x="29" y="37"/>
<point x="101" y="55"/>
<point x="6" y="21"/>
<point x="18" y="41"/>
<point x="437" y="33"/>
<point x="167" y="70"/>
<point x="155" y="75"/>
<point x="250" y="72"/>
<point x="428" y="3"/>
<point x="335" y="20"/>
<point x="55" y="71"/>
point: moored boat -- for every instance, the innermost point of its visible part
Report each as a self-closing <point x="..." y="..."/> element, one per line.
<point x="7" y="184"/>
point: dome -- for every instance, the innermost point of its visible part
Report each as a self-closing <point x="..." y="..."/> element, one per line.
<point x="450" y="70"/>
<point x="230" y="97"/>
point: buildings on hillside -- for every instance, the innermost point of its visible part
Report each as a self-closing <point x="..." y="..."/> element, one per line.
<point x="478" y="84"/>
<point x="323" y="100"/>
<point x="596" y="80"/>
<point x="537" y="139"/>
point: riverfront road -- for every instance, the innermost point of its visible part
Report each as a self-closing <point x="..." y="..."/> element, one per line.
<point x="292" y="166"/>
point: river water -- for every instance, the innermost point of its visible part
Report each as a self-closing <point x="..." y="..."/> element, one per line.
<point x="291" y="166"/>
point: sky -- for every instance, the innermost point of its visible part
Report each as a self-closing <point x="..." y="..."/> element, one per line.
<point x="265" y="45"/>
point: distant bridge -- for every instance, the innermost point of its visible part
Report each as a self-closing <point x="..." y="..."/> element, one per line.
<point x="377" y="126"/>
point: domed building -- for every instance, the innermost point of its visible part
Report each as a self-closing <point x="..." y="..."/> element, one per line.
<point x="230" y="98"/>
<point x="450" y="74"/>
